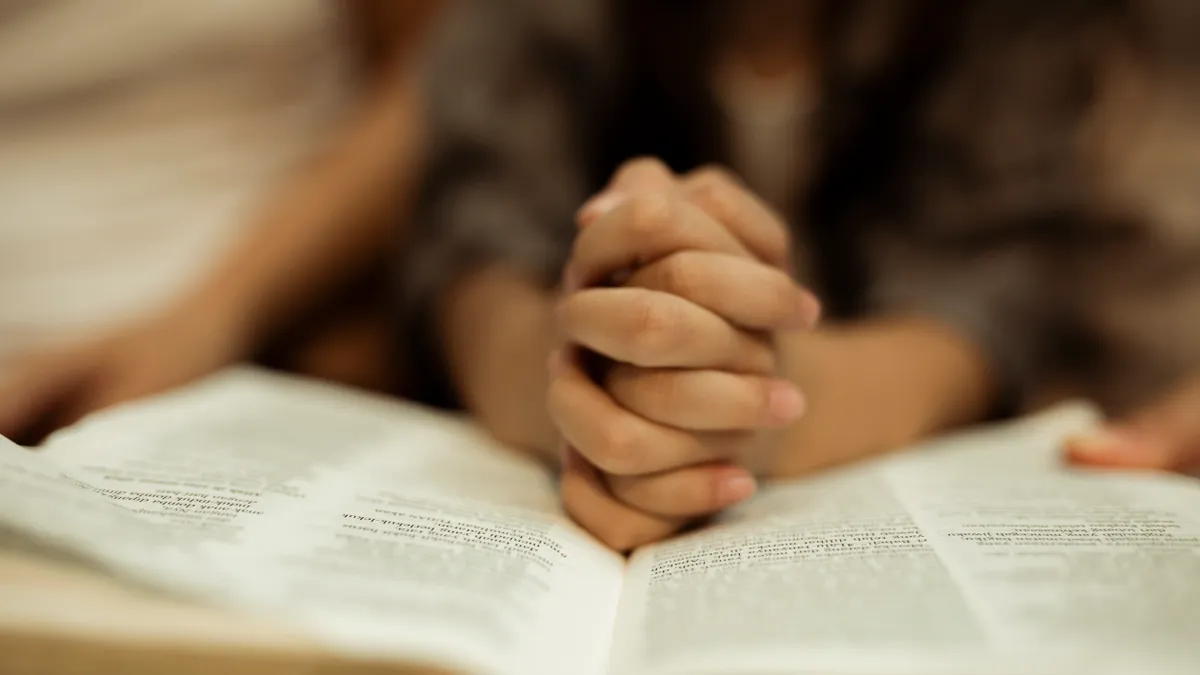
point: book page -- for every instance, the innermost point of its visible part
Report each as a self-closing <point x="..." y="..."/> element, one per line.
<point x="39" y="499"/>
<point x="1072" y="565"/>
<point x="971" y="556"/>
<point x="386" y="530"/>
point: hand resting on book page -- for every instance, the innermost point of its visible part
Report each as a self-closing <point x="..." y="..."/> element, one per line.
<point x="58" y="387"/>
<point x="1162" y="436"/>
<point x="690" y="397"/>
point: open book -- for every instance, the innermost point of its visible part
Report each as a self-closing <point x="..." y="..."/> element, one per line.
<point x="391" y="534"/>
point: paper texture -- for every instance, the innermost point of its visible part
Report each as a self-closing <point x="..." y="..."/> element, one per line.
<point x="388" y="531"/>
<point x="969" y="556"/>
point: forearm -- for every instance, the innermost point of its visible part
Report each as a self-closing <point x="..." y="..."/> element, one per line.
<point x="498" y="329"/>
<point x="327" y="220"/>
<point x="876" y="386"/>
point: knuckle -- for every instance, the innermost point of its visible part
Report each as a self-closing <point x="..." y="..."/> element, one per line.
<point x="628" y="170"/>
<point x="667" y="392"/>
<point x="641" y="166"/>
<point x="643" y="174"/>
<point x="719" y="198"/>
<point x="715" y="173"/>
<point x="649" y="214"/>
<point x="721" y="195"/>
<point x="679" y="277"/>
<point x="616" y="450"/>
<point x="748" y="401"/>
<point x="649" y="394"/>
<point x="654" y="329"/>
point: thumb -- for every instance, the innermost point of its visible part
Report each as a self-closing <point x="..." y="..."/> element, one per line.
<point x="1162" y="436"/>
<point x="638" y="175"/>
<point x="35" y="393"/>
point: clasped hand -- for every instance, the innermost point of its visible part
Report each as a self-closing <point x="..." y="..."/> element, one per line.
<point x="677" y="287"/>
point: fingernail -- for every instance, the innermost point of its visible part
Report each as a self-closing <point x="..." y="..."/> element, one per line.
<point x="1118" y="448"/>
<point x="785" y="402"/>
<point x="598" y="206"/>
<point x="736" y="488"/>
<point x="1101" y="442"/>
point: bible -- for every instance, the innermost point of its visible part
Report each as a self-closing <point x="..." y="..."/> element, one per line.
<point x="255" y="518"/>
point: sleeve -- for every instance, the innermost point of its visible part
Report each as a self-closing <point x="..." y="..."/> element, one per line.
<point x="997" y="297"/>
<point x="507" y="166"/>
<point x="995" y="193"/>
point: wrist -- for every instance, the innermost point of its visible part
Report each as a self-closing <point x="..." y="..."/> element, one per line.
<point x="876" y="387"/>
<point x="498" y="330"/>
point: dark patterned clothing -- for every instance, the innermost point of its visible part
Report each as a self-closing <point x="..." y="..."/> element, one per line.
<point x="970" y="162"/>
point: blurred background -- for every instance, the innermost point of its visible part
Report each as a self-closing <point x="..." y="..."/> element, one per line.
<point x="185" y="185"/>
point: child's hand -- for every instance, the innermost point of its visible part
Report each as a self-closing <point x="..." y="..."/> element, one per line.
<point x="62" y="385"/>
<point x="687" y="409"/>
<point x="1164" y="436"/>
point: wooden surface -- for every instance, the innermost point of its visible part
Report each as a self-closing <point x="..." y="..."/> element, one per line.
<point x="57" y="618"/>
